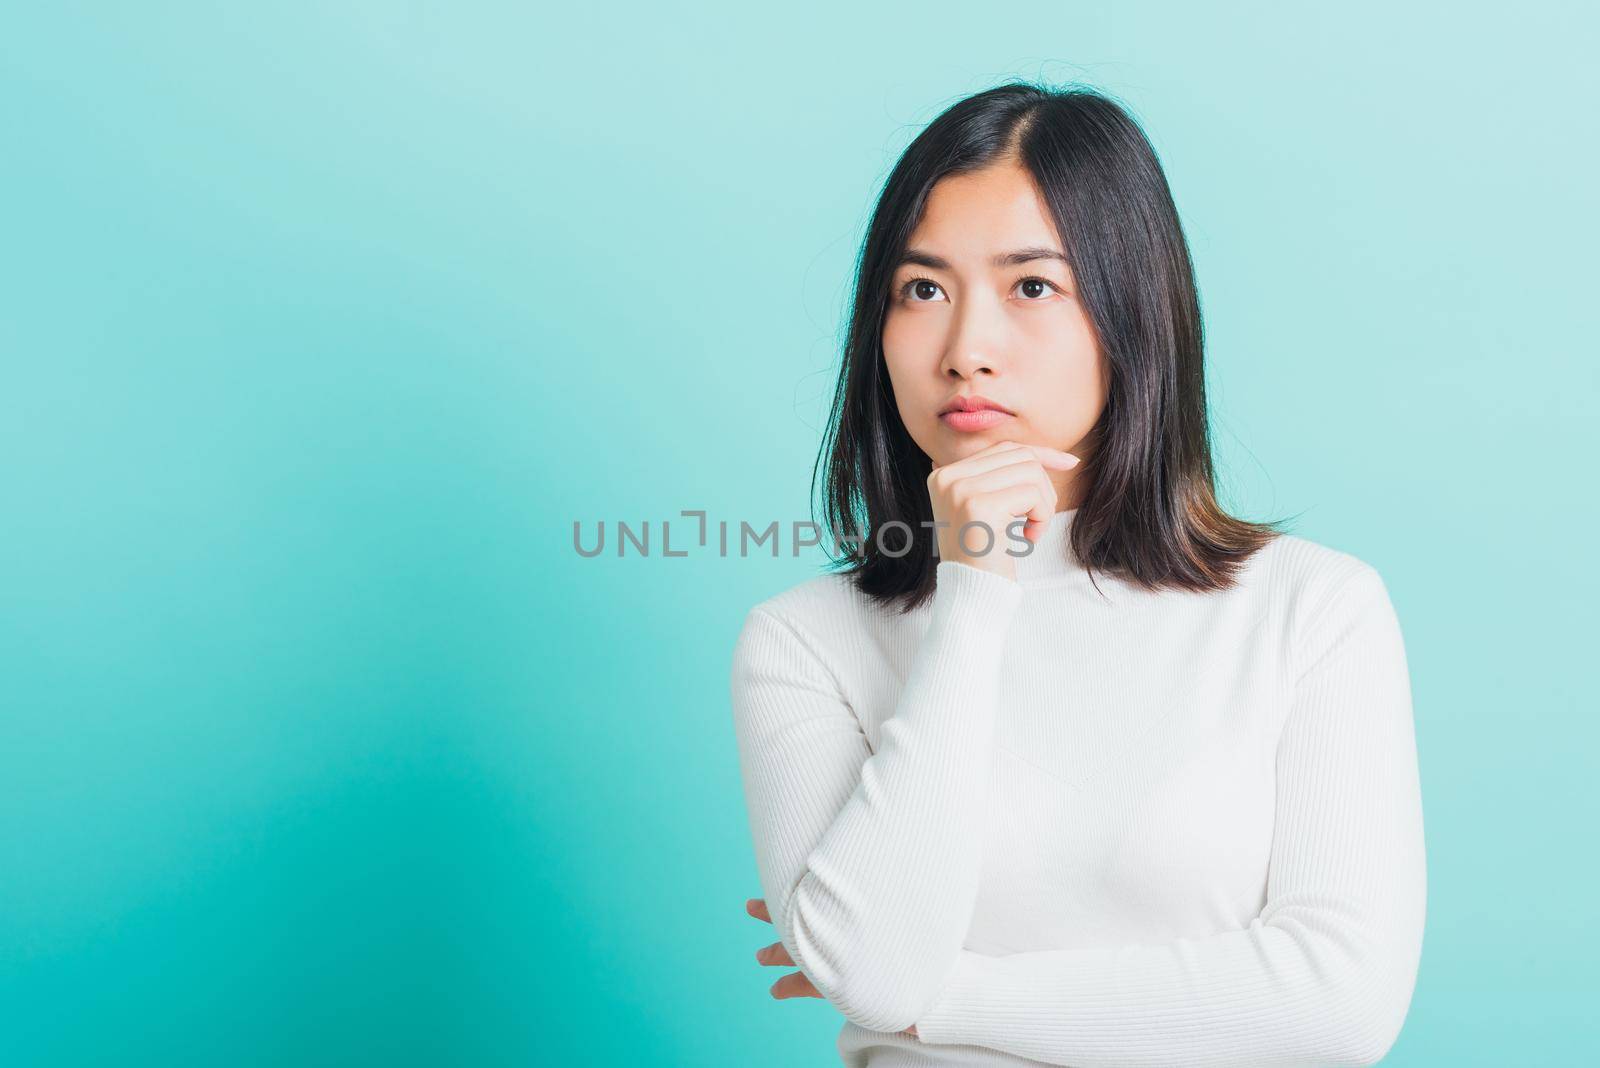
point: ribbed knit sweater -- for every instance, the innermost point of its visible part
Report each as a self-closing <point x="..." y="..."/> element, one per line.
<point x="1047" y="823"/>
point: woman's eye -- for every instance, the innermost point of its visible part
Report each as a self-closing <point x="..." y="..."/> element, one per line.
<point x="1030" y="282"/>
<point x="919" y="286"/>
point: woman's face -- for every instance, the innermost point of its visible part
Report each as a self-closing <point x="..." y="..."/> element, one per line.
<point x="960" y="324"/>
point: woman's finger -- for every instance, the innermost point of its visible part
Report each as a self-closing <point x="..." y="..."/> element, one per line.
<point x="794" y="985"/>
<point x="1001" y="452"/>
<point x="1057" y="458"/>
<point x="1008" y="473"/>
<point x="757" y="907"/>
<point x="774" y="954"/>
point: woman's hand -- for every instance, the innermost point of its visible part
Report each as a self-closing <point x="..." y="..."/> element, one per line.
<point x="795" y="984"/>
<point x="989" y="488"/>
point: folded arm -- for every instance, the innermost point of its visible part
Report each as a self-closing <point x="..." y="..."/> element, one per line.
<point x="870" y="861"/>
<point x="1325" y="974"/>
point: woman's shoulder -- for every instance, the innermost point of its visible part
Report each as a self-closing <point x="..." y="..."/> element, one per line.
<point x="1319" y="586"/>
<point x="810" y="632"/>
<point x="1310" y="567"/>
<point x="821" y="605"/>
<point x="1307" y="560"/>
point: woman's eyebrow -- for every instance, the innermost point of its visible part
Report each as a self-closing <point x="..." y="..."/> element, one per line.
<point x="1005" y="259"/>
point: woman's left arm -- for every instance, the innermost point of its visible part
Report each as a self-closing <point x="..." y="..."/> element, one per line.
<point x="1325" y="974"/>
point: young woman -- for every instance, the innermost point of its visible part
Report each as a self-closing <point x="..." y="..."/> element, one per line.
<point x="1068" y="766"/>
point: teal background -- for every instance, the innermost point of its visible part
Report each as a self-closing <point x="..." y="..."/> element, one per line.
<point x="319" y="744"/>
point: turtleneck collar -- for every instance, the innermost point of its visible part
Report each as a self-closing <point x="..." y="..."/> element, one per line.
<point x="1052" y="557"/>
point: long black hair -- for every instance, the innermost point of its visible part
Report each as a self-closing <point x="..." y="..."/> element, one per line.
<point x="1150" y="513"/>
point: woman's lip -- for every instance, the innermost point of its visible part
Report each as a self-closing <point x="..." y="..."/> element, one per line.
<point x="981" y="419"/>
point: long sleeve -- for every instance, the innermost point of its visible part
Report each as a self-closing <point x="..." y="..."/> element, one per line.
<point x="870" y="861"/>
<point x="1324" y="975"/>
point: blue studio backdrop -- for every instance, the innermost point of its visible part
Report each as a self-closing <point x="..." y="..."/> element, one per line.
<point x="324" y="323"/>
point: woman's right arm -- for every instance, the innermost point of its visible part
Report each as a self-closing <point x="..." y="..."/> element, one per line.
<point x="870" y="859"/>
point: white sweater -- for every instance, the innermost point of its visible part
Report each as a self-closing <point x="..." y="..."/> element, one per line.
<point x="1046" y="825"/>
